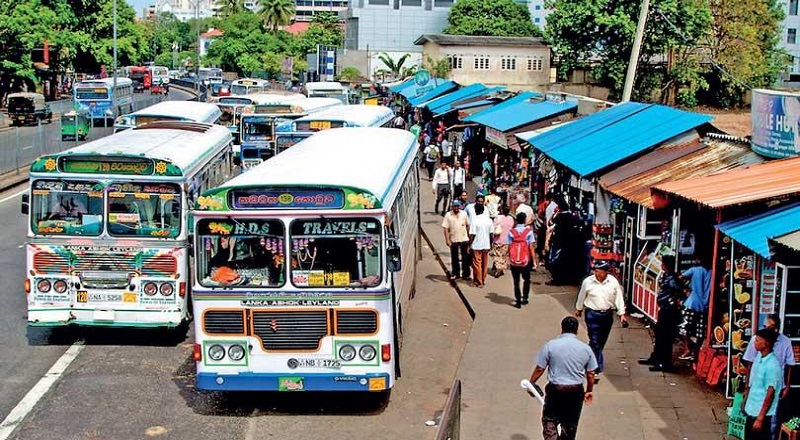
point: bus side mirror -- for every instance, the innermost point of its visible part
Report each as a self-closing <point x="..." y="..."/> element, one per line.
<point x="26" y="204"/>
<point x="394" y="262"/>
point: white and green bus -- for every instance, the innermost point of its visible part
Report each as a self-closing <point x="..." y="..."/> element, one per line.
<point x="305" y="266"/>
<point x="108" y="230"/>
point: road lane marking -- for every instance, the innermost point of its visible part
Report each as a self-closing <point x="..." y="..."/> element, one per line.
<point x="18" y="414"/>
<point x="14" y="195"/>
<point x="27" y="148"/>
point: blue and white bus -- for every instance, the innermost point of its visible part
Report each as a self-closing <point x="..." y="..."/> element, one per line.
<point x="305" y="266"/>
<point x="95" y="97"/>
<point x="328" y="89"/>
<point x="357" y="115"/>
<point x="258" y="128"/>
<point x="189" y="111"/>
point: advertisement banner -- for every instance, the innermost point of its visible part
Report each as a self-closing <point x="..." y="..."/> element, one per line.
<point x="776" y="119"/>
<point x="496" y="137"/>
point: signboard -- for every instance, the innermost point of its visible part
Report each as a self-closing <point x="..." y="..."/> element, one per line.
<point x="496" y="137"/>
<point x="326" y="62"/>
<point x="422" y="77"/>
<point x="106" y="166"/>
<point x="775" y="117"/>
<point x="287" y="199"/>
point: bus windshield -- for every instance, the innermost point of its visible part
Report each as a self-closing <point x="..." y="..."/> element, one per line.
<point x="62" y="207"/>
<point x="149" y="209"/>
<point x="343" y="252"/>
<point x="95" y="93"/>
<point x="256" y="128"/>
<point x="283" y="142"/>
<point x="246" y="253"/>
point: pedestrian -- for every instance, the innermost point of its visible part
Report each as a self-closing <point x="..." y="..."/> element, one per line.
<point x="502" y="227"/>
<point x="441" y="187"/>
<point x="480" y="242"/>
<point x="600" y="295"/>
<point x="540" y="223"/>
<point x="782" y="350"/>
<point x="470" y="209"/>
<point x="695" y="308"/>
<point x="456" y="236"/>
<point x="492" y="203"/>
<point x="522" y="259"/>
<point x="463" y="198"/>
<point x="761" y="395"/>
<point x="399" y="122"/>
<point x="670" y="290"/>
<point x="431" y="155"/>
<point x="525" y="209"/>
<point x="569" y="362"/>
<point x="447" y="151"/>
<point x="459" y="177"/>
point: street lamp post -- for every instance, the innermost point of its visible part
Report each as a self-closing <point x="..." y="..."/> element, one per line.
<point x="114" y="85"/>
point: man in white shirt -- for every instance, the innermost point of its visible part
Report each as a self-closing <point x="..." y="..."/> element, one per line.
<point x="479" y="200"/>
<point x="441" y="187"/>
<point x="459" y="178"/>
<point x="600" y="295"/>
<point x="480" y="238"/>
<point x="447" y="151"/>
<point x="525" y="209"/>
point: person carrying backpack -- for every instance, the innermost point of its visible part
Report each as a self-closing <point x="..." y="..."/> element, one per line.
<point x="521" y="258"/>
<point x="431" y="155"/>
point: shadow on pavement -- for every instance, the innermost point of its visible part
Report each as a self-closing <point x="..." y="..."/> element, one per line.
<point x="38" y="336"/>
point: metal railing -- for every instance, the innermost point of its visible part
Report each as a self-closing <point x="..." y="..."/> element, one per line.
<point x="450" y="425"/>
<point x="202" y="93"/>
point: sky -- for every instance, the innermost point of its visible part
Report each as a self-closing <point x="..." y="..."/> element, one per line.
<point x="139" y="5"/>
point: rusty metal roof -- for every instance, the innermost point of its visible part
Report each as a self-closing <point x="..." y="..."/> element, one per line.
<point x="790" y="240"/>
<point x="684" y="160"/>
<point x="746" y="184"/>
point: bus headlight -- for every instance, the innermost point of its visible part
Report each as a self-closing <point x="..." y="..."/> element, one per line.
<point x="236" y="352"/>
<point x="216" y="352"/>
<point x="166" y="289"/>
<point x="347" y="353"/>
<point x="150" y="289"/>
<point x="60" y="286"/>
<point x="367" y="352"/>
<point x="43" y="286"/>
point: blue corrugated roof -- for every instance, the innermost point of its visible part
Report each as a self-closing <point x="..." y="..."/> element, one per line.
<point x="475" y="104"/>
<point x="605" y="138"/>
<point x="520" y="113"/>
<point x="755" y="231"/>
<point x="442" y="109"/>
<point x="398" y="87"/>
<point x="453" y="96"/>
<point x="521" y="97"/>
<point x="441" y="89"/>
<point x="410" y="91"/>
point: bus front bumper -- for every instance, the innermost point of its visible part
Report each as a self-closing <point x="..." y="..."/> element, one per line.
<point x="293" y="382"/>
<point x="58" y="317"/>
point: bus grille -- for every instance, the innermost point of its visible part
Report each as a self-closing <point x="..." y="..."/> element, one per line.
<point x="159" y="266"/>
<point x="356" y="322"/>
<point x="224" y="322"/>
<point x="105" y="262"/>
<point x="300" y="330"/>
<point x="50" y="263"/>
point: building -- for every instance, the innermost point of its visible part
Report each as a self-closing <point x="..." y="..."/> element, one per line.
<point x="305" y="9"/>
<point x="393" y="25"/>
<point x="183" y="10"/>
<point x="520" y="63"/>
<point x="538" y="13"/>
<point x="791" y="43"/>
<point x="206" y="38"/>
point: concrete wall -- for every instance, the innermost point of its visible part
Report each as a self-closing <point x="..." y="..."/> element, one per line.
<point x="390" y="29"/>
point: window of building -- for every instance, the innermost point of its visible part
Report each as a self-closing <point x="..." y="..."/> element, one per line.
<point x="416" y="3"/>
<point x="792" y="38"/>
<point x="537" y="20"/>
<point x="481" y="63"/>
<point x="508" y="64"/>
<point x="535" y="64"/>
<point x="443" y="3"/>
<point x="456" y="62"/>
<point x="379" y="2"/>
<point x="792" y="7"/>
<point x="538" y="7"/>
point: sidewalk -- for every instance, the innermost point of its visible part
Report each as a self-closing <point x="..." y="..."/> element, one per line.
<point x="630" y="403"/>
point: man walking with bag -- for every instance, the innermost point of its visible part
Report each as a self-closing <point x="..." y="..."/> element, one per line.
<point x="456" y="236"/>
<point x="480" y="241"/>
<point x="441" y="187"/>
<point x="521" y="258"/>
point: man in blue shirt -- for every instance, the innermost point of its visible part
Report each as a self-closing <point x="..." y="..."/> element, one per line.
<point x="760" y="397"/>
<point x="569" y="362"/>
<point x="695" y="308"/>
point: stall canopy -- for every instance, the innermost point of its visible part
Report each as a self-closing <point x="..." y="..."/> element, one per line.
<point x="790" y="241"/>
<point x="444" y="104"/>
<point x="439" y="89"/>
<point x="690" y="158"/>
<point x="605" y="138"/>
<point x="755" y="231"/>
<point x="396" y="88"/>
<point x="764" y="181"/>
<point x="521" y="112"/>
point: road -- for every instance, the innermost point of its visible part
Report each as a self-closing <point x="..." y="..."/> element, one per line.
<point x="129" y="384"/>
<point x="20" y="145"/>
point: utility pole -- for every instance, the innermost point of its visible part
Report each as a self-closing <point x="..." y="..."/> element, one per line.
<point x="637" y="46"/>
<point x="114" y="86"/>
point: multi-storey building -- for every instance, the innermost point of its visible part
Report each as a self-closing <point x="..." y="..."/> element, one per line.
<point x="393" y="25"/>
<point x="791" y="43"/>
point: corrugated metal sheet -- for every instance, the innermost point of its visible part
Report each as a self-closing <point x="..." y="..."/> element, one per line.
<point x="679" y="161"/>
<point x="754" y="231"/>
<point x="605" y="138"/>
<point x="475" y="104"/>
<point x="410" y="87"/>
<point x="453" y="96"/>
<point x="740" y="185"/>
<point x="791" y="241"/>
<point x="522" y="112"/>
<point x="524" y="96"/>
<point x="442" y="109"/>
<point x="439" y="90"/>
<point x="398" y="87"/>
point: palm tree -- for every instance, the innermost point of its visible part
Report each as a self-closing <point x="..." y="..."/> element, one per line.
<point x="227" y="8"/>
<point x="395" y="67"/>
<point x="439" y="68"/>
<point x="276" y="13"/>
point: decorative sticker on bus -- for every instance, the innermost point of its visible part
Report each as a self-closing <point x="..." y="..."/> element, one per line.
<point x="102" y="166"/>
<point x="287" y="199"/>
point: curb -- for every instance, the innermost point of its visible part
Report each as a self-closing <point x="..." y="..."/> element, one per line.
<point x="453" y="284"/>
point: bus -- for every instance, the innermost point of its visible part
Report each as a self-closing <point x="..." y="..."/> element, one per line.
<point x="356" y="115"/>
<point x="233" y="106"/>
<point x="140" y="74"/>
<point x="190" y="111"/>
<point x="305" y="266"/>
<point x="159" y="74"/>
<point x="204" y="73"/>
<point x="95" y="97"/>
<point x="328" y="89"/>
<point x="258" y="128"/>
<point x="108" y="230"/>
<point x="246" y="86"/>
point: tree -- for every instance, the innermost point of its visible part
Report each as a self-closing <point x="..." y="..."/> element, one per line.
<point x="276" y="13"/>
<point x="501" y="18"/>
<point x="394" y="67"/>
<point x="226" y="8"/>
<point x="325" y="30"/>
<point x="349" y="74"/>
<point x="439" y="68"/>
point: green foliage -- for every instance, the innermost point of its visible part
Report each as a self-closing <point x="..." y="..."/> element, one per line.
<point x="395" y="68"/>
<point x="439" y="68"/>
<point x="504" y="18"/>
<point x="325" y="30"/>
<point x="349" y="74"/>
<point x="276" y="13"/>
<point x="226" y="8"/>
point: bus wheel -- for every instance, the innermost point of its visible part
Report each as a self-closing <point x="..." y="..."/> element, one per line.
<point x="380" y="399"/>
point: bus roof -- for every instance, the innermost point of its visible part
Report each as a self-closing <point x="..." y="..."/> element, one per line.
<point x="358" y="115"/>
<point x="187" y="110"/>
<point x="250" y="82"/>
<point x="363" y="161"/>
<point x="121" y="81"/>
<point x="293" y="107"/>
<point x="172" y="148"/>
<point x="324" y="85"/>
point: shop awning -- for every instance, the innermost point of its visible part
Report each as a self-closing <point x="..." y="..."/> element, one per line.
<point x="600" y="140"/>
<point x="397" y="87"/>
<point x="446" y="103"/>
<point x="789" y="241"/>
<point x="764" y="181"/>
<point x="521" y="112"/>
<point x="675" y="161"/>
<point x="438" y="90"/>
<point x="755" y="231"/>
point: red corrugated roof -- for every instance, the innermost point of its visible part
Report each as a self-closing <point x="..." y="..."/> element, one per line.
<point x="212" y="33"/>
<point x="297" y="27"/>
<point x="746" y="184"/>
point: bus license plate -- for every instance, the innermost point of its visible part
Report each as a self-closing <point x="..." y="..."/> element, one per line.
<point x="319" y="363"/>
<point x="84" y="297"/>
<point x="320" y="125"/>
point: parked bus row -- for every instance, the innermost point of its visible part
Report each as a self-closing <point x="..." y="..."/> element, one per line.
<point x="303" y="266"/>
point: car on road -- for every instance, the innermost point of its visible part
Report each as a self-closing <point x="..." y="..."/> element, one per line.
<point x="28" y="108"/>
<point x="159" y="89"/>
<point x="75" y="125"/>
<point x="138" y="86"/>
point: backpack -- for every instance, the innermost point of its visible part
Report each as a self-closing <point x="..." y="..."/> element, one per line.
<point x="432" y="153"/>
<point x="518" y="251"/>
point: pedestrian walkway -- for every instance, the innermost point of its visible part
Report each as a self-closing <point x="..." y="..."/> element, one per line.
<point x="630" y="402"/>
